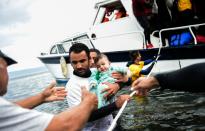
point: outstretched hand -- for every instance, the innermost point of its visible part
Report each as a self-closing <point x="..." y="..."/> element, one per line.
<point x="90" y="98"/>
<point x="53" y="93"/>
<point x="143" y="85"/>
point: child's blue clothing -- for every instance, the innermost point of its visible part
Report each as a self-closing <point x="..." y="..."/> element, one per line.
<point x="96" y="83"/>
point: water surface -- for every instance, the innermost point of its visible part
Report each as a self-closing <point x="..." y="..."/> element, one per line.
<point x="160" y="111"/>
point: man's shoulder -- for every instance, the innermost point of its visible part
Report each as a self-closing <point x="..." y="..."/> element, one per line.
<point x="77" y="81"/>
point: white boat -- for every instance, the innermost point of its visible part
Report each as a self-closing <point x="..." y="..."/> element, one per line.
<point x="116" y="37"/>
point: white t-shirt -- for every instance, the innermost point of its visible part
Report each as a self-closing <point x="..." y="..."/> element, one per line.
<point x="16" y="118"/>
<point x="73" y="88"/>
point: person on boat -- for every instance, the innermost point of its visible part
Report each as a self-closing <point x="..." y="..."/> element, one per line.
<point x="136" y="65"/>
<point x="190" y="78"/>
<point x="103" y="74"/>
<point x="20" y="116"/>
<point x="182" y="13"/>
<point x="93" y="54"/>
<point x="79" y="56"/>
<point x="142" y="10"/>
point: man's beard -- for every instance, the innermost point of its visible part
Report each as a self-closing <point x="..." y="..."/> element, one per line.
<point x="84" y="75"/>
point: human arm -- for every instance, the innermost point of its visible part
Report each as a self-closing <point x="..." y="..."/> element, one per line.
<point x="143" y="85"/>
<point x="147" y="70"/>
<point x="93" y="79"/>
<point x="190" y="78"/>
<point x="75" y="118"/>
<point x="51" y="93"/>
<point x="106" y="110"/>
<point x="146" y="62"/>
<point x="122" y="78"/>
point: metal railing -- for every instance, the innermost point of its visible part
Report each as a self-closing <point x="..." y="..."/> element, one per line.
<point x="181" y="27"/>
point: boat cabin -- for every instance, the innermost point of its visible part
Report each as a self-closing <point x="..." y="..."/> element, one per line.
<point x="115" y="28"/>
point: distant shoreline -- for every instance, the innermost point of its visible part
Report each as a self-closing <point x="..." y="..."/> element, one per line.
<point x="27" y="72"/>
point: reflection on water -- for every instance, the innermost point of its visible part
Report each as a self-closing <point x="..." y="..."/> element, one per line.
<point x="164" y="110"/>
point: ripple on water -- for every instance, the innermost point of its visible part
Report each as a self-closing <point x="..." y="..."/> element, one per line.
<point x="164" y="110"/>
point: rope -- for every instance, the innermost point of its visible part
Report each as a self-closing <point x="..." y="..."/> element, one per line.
<point x="114" y="122"/>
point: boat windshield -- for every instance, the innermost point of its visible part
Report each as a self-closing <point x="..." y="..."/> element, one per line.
<point x="84" y="39"/>
<point x="64" y="46"/>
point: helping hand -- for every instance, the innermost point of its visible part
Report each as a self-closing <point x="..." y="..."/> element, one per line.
<point x="52" y="93"/>
<point x="143" y="85"/>
<point x="89" y="97"/>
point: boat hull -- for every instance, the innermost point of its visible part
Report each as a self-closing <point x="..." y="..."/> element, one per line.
<point x="171" y="58"/>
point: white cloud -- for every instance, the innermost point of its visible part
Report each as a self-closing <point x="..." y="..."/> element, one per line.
<point x="12" y="12"/>
<point x="43" y="23"/>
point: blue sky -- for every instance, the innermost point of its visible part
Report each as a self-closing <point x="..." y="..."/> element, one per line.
<point x="29" y="27"/>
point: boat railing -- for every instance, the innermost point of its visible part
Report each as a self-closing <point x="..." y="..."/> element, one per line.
<point x="179" y="28"/>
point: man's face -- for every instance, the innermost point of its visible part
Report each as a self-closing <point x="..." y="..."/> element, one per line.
<point x="3" y="77"/>
<point x="79" y="62"/>
<point x="93" y="55"/>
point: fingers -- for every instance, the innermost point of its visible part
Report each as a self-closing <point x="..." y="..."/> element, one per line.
<point x="61" y="93"/>
<point x="59" y="88"/>
<point x="111" y="90"/>
<point x="141" y="92"/>
<point x="108" y="94"/>
<point x="84" y="90"/>
<point x="60" y="98"/>
<point x="51" y="85"/>
<point x="121" y="99"/>
<point x="136" y="83"/>
<point x="118" y="76"/>
<point x="105" y="90"/>
<point x="89" y="98"/>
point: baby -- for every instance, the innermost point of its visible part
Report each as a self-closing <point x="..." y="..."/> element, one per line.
<point x="101" y="75"/>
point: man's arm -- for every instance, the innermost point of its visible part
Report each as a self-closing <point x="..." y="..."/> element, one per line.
<point x="190" y="78"/>
<point x="147" y="70"/>
<point x="113" y="88"/>
<point x="48" y="95"/>
<point x="106" y="110"/>
<point x="75" y="118"/>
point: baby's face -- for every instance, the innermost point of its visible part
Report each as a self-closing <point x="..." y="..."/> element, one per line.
<point x="103" y="65"/>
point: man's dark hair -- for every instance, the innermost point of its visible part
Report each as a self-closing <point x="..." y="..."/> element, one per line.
<point x="79" y="47"/>
<point x="95" y="50"/>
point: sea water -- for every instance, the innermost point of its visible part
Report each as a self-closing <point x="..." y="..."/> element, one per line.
<point x="161" y="110"/>
<point x="164" y="110"/>
<point x="22" y="87"/>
